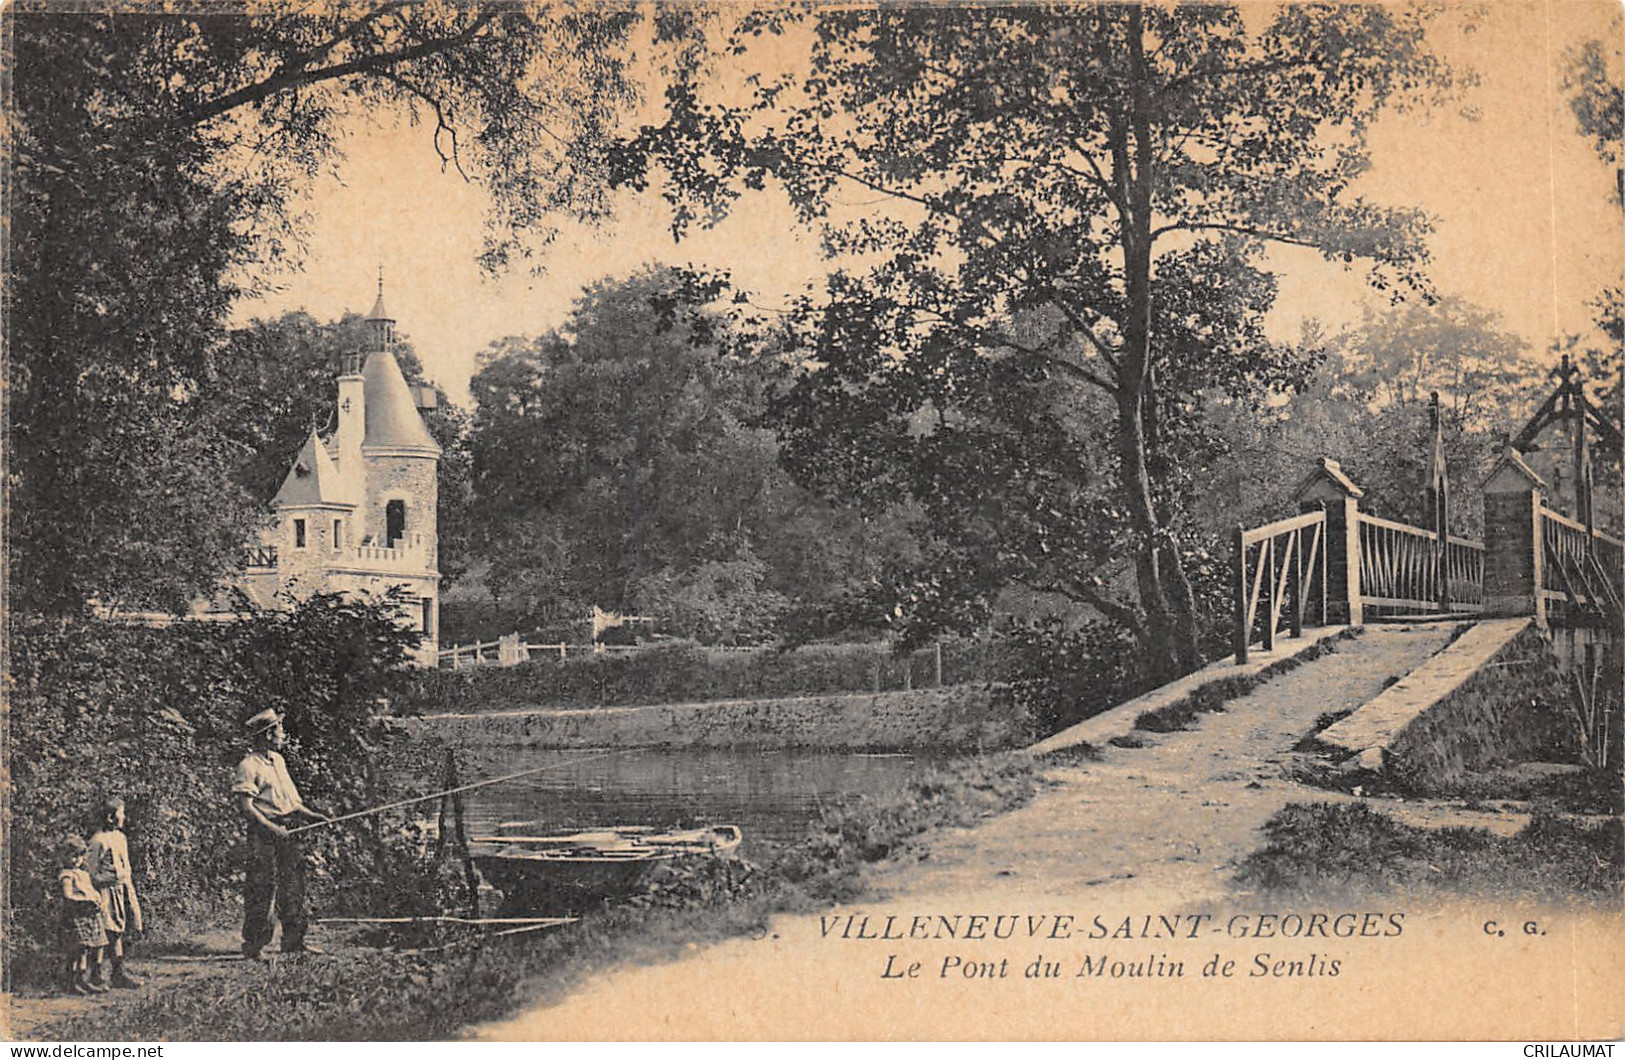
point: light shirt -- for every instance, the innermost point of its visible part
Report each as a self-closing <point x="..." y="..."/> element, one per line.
<point x="263" y="776"/>
<point x="108" y="858"/>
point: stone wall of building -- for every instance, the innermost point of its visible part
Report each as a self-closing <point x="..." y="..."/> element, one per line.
<point x="412" y="478"/>
<point x="306" y="568"/>
<point x="1509" y="556"/>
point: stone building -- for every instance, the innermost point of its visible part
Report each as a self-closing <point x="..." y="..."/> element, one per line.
<point x="357" y="512"/>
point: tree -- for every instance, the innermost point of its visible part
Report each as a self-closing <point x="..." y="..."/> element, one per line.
<point x="1366" y="404"/>
<point x="154" y="155"/>
<point x="1598" y="102"/>
<point x="1107" y="176"/>
<point x="618" y="463"/>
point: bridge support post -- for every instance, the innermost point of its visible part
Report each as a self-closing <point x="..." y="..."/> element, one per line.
<point x="1328" y="487"/>
<point x="1238" y="594"/>
<point x="1513" y="552"/>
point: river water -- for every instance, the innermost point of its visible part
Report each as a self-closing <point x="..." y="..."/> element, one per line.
<point x="773" y="796"/>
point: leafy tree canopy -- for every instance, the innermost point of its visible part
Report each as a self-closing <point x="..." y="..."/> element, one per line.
<point x="1079" y="201"/>
<point x="1597" y="99"/>
<point x="156" y="156"/>
<point x="618" y="463"/>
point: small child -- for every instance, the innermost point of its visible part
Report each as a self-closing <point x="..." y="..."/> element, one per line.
<point x="109" y="864"/>
<point x="83" y="936"/>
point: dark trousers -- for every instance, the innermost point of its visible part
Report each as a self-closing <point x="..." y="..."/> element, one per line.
<point x="276" y="873"/>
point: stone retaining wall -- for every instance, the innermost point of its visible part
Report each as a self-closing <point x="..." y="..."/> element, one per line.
<point x="959" y="718"/>
<point x="1494" y="696"/>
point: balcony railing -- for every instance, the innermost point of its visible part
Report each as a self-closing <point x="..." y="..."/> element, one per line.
<point x="411" y="552"/>
<point x="259" y="556"/>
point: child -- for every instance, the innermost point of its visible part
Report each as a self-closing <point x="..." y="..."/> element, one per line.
<point x="109" y="865"/>
<point x="82" y="933"/>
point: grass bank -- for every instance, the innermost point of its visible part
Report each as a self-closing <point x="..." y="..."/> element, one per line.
<point x="1349" y="849"/>
<point x="356" y="993"/>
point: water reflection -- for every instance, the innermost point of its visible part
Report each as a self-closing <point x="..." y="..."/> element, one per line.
<point x="771" y="795"/>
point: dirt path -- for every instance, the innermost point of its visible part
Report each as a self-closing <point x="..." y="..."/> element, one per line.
<point x="1152" y="829"/>
<point x="212" y="954"/>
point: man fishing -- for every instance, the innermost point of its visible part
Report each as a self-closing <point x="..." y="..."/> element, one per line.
<point x="276" y="861"/>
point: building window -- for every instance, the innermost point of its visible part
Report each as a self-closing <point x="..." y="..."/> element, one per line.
<point x="428" y="618"/>
<point x="298" y="533"/>
<point x="338" y="534"/>
<point x="394" y="522"/>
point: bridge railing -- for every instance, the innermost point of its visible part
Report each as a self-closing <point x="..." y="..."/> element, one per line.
<point x="1280" y="574"/>
<point x="1580" y="569"/>
<point x="1333" y="562"/>
<point x="1400" y="568"/>
<point x="1464" y="561"/>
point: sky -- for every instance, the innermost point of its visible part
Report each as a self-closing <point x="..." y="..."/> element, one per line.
<point x="1525" y="225"/>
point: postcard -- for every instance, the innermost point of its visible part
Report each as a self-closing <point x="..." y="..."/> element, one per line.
<point x="891" y="522"/>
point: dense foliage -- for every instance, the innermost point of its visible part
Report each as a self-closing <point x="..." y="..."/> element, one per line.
<point x="156" y="155"/>
<point x="155" y="716"/>
<point x="619" y="463"/>
<point x="1059" y="675"/>
<point x="1366" y="404"/>
<point x="1597" y="100"/>
<point x="1071" y="207"/>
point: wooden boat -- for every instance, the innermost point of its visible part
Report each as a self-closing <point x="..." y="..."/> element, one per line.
<point x="558" y="873"/>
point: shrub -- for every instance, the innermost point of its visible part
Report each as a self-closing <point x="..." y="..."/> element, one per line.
<point x="685" y="672"/>
<point x="1327" y="849"/>
<point x="1060" y="675"/>
<point x="155" y="715"/>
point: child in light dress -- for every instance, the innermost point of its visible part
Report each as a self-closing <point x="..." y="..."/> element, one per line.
<point x="108" y="861"/>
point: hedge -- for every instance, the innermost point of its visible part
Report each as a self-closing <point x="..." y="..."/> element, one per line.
<point x="155" y="715"/>
<point x="685" y="672"/>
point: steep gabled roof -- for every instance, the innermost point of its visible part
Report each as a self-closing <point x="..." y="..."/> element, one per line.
<point x="1330" y="472"/>
<point x="393" y="421"/>
<point x="313" y="480"/>
<point x="1511" y="474"/>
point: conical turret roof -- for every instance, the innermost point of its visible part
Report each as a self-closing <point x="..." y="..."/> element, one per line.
<point x="313" y="480"/>
<point x="393" y="420"/>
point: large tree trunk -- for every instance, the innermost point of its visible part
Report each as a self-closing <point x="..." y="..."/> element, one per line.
<point x="1165" y="591"/>
<point x="1170" y="637"/>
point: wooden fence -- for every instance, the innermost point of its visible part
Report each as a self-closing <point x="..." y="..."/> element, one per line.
<point x="1287" y="564"/>
<point x="974" y="664"/>
<point x="513" y="650"/>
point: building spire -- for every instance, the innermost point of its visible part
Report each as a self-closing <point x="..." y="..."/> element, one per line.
<point x="383" y="325"/>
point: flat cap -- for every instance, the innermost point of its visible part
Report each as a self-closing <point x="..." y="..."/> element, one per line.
<point x="263" y="720"/>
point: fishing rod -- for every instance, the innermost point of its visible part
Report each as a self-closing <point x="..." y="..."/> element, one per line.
<point x="449" y="791"/>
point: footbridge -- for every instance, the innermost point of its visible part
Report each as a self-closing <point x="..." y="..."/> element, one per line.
<point x="1489" y="650"/>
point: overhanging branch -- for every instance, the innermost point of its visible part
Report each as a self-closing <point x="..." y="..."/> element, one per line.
<point x="298" y="77"/>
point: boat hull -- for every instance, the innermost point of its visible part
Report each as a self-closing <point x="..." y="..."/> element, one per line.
<point x="555" y="875"/>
